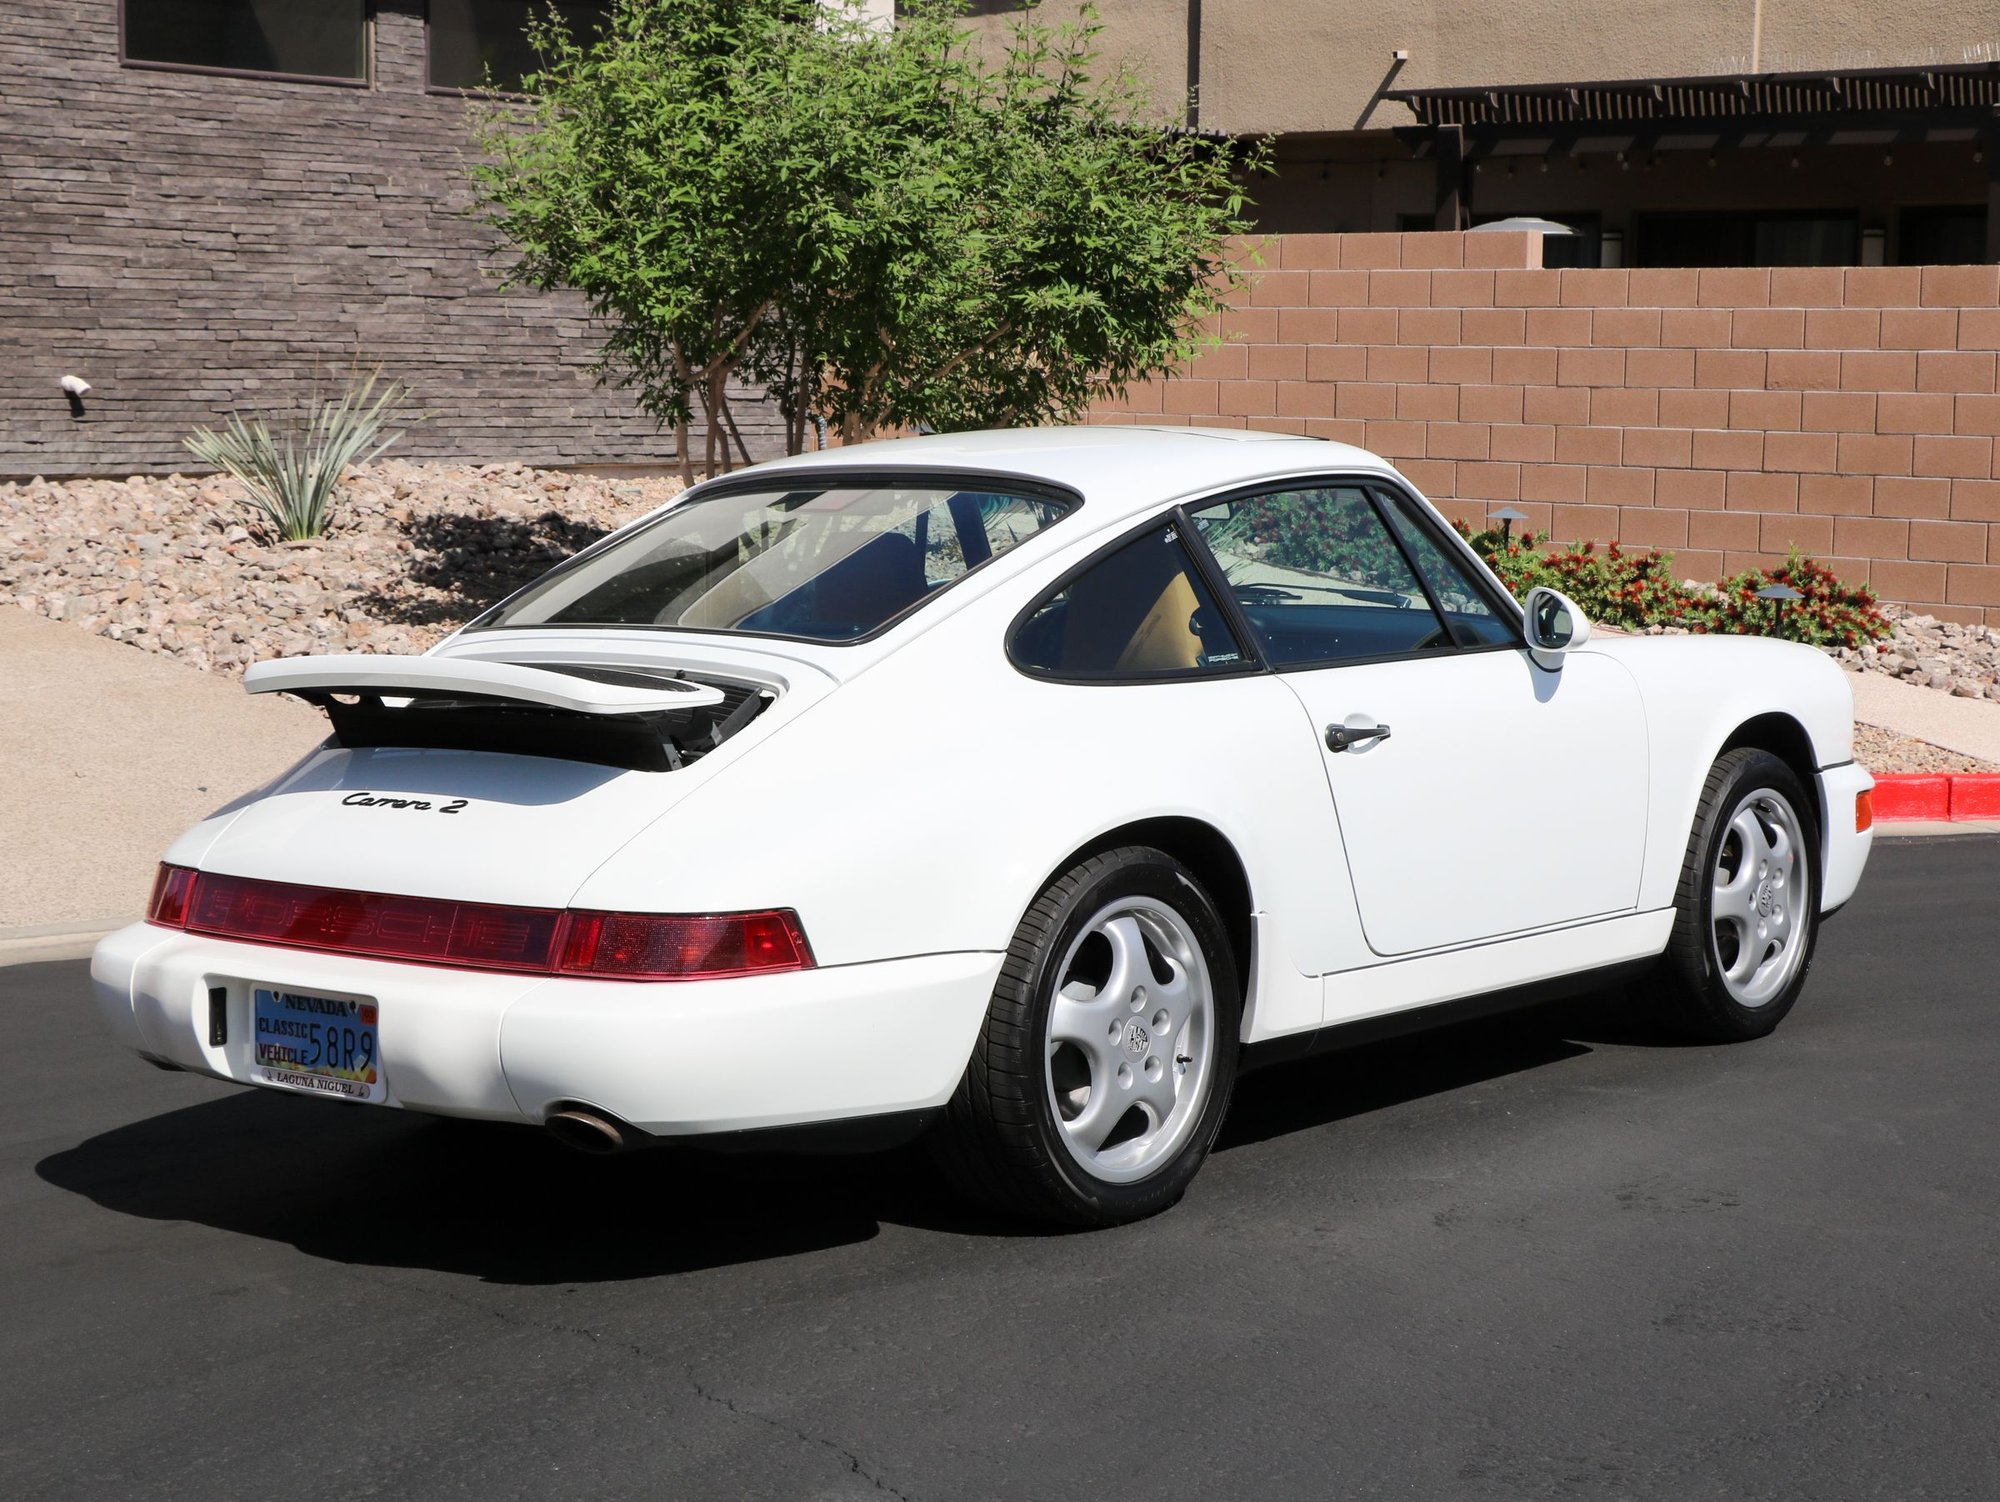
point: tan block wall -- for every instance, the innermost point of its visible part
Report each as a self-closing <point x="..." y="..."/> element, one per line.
<point x="1725" y="414"/>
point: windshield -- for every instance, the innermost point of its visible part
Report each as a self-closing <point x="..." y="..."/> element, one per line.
<point x="830" y="562"/>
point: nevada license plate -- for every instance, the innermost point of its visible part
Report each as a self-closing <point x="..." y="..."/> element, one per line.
<point x="325" y="1044"/>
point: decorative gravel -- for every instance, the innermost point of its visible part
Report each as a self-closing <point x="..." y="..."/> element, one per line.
<point x="170" y="563"/>
<point x="1882" y="750"/>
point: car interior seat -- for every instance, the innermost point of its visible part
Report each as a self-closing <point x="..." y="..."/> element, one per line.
<point x="880" y="579"/>
<point x="1133" y="614"/>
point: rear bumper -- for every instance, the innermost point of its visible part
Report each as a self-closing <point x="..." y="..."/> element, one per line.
<point x="1846" y="850"/>
<point x="674" y="1059"/>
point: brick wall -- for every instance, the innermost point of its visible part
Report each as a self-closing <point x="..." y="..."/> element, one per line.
<point x="192" y="244"/>
<point x="1725" y="414"/>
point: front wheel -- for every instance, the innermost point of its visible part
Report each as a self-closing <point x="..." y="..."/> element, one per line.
<point x="1747" y="910"/>
<point x="1105" y="1065"/>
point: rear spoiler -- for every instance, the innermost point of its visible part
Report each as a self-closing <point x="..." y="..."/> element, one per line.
<point x="375" y="675"/>
<point x="615" y="717"/>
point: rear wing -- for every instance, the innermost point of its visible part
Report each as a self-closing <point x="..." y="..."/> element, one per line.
<point x="647" y="721"/>
<point x="604" y="691"/>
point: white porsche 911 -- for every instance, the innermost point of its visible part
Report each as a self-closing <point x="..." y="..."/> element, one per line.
<point x="1012" y="787"/>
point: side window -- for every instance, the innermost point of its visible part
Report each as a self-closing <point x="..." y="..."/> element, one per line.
<point x="1319" y="576"/>
<point x="1140" y="612"/>
<point x="1472" y="616"/>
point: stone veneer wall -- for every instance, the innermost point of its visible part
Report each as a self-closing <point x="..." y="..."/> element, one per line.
<point x="1725" y="414"/>
<point x="192" y="244"/>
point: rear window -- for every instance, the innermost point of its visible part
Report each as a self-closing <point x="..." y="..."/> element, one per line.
<point x="825" y="562"/>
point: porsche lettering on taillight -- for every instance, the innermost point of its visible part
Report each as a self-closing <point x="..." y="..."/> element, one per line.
<point x="480" y="935"/>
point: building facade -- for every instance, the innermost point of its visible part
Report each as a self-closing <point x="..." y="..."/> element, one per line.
<point x="1665" y="132"/>
<point x="217" y="205"/>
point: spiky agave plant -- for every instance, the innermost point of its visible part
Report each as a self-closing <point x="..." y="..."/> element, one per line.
<point x="291" y="473"/>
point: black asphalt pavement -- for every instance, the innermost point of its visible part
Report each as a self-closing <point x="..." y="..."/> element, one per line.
<point x="1551" y="1255"/>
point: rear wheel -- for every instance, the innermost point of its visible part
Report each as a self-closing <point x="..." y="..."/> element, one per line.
<point x="1105" y="1066"/>
<point x="1747" y="911"/>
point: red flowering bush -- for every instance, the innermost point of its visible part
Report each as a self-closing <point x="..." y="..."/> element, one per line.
<point x="1637" y="590"/>
<point x="1614" y="587"/>
<point x="1830" y="614"/>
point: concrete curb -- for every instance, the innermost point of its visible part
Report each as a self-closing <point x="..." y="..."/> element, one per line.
<point x="39" y="942"/>
<point x="1943" y="797"/>
<point x="1930" y="829"/>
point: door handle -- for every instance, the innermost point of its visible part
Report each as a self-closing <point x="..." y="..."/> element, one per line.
<point x="1345" y="737"/>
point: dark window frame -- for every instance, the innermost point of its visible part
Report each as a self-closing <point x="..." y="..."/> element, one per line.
<point x="1028" y="486"/>
<point x="207" y="70"/>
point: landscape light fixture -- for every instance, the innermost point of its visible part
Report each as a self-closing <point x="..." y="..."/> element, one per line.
<point x="1507" y="516"/>
<point x="1782" y="596"/>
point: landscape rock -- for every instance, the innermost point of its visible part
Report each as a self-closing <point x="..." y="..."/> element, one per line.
<point x="174" y="563"/>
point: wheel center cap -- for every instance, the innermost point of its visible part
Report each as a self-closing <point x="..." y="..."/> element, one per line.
<point x="1136" y="1038"/>
<point x="1766" y="896"/>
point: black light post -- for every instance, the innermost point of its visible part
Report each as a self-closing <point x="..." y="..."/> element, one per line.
<point x="1783" y="594"/>
<point x="1507" y="516"/>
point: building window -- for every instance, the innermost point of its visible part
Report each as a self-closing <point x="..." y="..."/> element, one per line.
<point x="1952" y="236"/>
<point x="1749" y="239"/>
<point x="318" y="39"/>
<point x="483" y="44"/>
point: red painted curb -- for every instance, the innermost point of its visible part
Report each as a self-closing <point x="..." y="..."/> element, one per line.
<point x="1937" y="795"/>
<point x="1912" y="795"/>
<point x="1975" y="795"/>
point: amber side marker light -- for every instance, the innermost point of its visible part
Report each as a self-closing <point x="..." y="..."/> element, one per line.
<point x="1864" y="810"/>
<point x="480" y="935"/>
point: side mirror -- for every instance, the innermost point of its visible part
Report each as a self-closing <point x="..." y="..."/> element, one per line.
<point x="1555" y="624"/>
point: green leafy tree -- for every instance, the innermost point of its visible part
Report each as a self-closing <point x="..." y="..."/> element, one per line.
<point x="881" y="227"/>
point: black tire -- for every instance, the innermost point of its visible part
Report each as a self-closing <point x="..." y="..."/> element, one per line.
<point x="1000" y="1142"/>
<point x="1693" y="995"/>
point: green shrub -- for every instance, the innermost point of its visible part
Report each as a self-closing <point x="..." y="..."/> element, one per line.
<point x="290" y="472"/>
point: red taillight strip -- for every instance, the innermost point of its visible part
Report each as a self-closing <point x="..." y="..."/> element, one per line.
<point x="480" y="935"/>
<point x="654" y="946"/>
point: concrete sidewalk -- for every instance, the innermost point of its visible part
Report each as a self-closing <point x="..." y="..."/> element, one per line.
<point x="107" y="753"/>
<point x="1970" y="727"/>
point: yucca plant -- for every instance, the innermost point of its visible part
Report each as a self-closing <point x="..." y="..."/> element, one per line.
<point x="290" y="473"/>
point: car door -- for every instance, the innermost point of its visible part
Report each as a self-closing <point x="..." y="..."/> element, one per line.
<point x="1478" y="794"/>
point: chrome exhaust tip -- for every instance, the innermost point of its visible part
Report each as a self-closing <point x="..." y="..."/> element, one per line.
<point x="589" y="1132"/>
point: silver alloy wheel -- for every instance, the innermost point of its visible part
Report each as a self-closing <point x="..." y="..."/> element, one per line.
<point x="1759" y="917"/>
<point x="1131" y="1045"/>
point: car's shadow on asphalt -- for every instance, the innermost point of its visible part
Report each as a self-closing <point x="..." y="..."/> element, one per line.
<point x="508" y="1205"/>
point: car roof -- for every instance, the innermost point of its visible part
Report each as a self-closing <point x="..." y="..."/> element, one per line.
<point x="1119" y="471"/>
